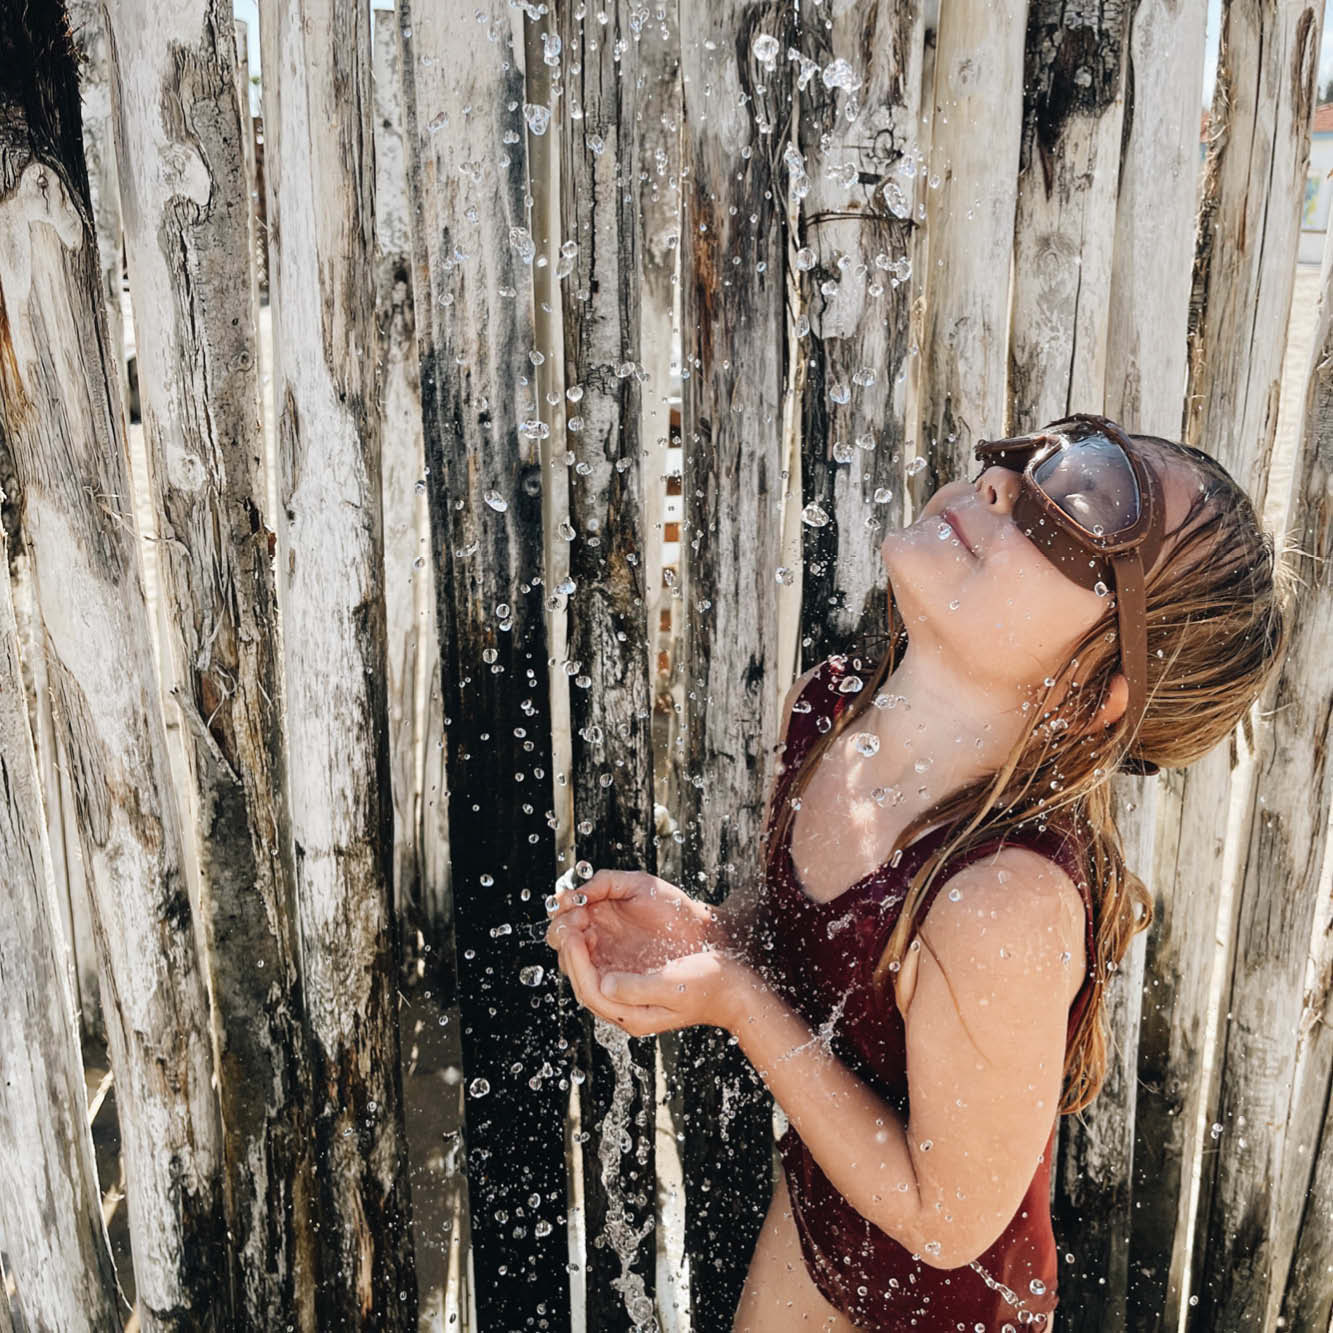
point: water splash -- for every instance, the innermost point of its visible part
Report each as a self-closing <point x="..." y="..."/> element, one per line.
<point x="620" y="1235"/>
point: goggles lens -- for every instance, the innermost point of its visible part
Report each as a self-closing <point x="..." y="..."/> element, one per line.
<point x="1092" y="481"/>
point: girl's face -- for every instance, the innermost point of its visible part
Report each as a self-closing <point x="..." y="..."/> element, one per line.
<point x="972" y="588"/>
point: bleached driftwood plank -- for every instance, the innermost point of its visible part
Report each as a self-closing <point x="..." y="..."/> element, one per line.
<point x="1275" y="1059"/>
<point x="1249" y="218"/>
<point x="99" y="150"/>
<point x="61" y="415"/>
<point x="54" y="1239"/>
<point x="736" y="111"/>
<point x="970" y="230"/>
<point x="469" y="171"/>
<point x="319" y="167"/>
<point x="181" y="134"/>
<point x="409" y="581"/>
<point x="1064" y="226"/>
<point x="611" y="698"/>
<point x="1154" y="210"/>
<point x="858" y="188"/>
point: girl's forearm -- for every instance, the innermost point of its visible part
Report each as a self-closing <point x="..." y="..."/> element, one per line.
<point x="858" y="1140"/>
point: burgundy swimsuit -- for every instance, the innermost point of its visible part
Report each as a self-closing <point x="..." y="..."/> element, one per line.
<point x="821" y="960"/>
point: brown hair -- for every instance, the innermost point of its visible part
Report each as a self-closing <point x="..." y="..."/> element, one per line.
<point x="1218" y="625"/>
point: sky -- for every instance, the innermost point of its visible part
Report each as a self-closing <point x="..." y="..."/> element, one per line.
<point x="249" y="11"/>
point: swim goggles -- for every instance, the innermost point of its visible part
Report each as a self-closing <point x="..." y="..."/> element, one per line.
<point x="1095" y="509"/>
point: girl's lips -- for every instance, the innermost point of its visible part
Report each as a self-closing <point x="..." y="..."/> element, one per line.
<point x="951" y="519"/>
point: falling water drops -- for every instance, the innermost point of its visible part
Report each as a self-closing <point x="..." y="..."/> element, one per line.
<point x="866" y="742"/>
<point x="496" y="501"/>
<point x="813" y="515"/>
<point x="538" y="117"/>
<point x="765" y="48"/>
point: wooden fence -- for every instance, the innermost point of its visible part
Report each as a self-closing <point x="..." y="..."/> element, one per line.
<point x="308" y="698"/>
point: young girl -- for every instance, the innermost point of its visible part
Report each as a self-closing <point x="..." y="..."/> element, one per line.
<point x="919" y="979"/>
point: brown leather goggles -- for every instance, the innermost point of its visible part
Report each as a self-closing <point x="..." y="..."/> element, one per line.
<point x="1095" y="509"/>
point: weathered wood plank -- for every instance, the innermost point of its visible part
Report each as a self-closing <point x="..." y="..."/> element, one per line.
<point x="1064" y="226"/>
<point x="734" y="352"/>
<point x="1271" y="1053"/>
<point x="1148" y="313"/>
<point x="1244" y="265"/>
<point x="856" y="185"/>
<point x="610" y="703"/>
<point x="970" y="229"/>
<point x="409" y="582"/>
<point x="55" y="1242"/>
<point x="319" y="166"/>
<point x="62" y="417"/>
<point x="181" y="135"/>
<point x="99" y="151"/>
<point x="467" y="178"/>
<point x="1064" y="235"/>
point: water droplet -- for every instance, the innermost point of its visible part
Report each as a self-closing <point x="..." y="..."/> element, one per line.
<point x="550" y="48"/>
<point x="1100" y="588"/>
<point x="521" y="240"/>
<point x="843" y="452"/>
<point x="917" y="464"/>
<point x="496" y="501"/>
<point x="840" y="393"/>
<point x="489" y="655"/>
<point x="565" y="529"/>
<point x="538" y="117"/>
<point x="765" y="48"/>
<point x="850" y="685"/>
<point x="543" y="1228"/>
<point x="805" y="259"/>
<point x="813" y="515"/>
<point x="883" y="495"/>
<point x="479" y="1087"/>
<point x="532" y="976"/>
<point x="955" y="895"/>
<point x="866" y="742"/>
<point x="921" y="765"/>
<point x="1037" y="1287"/>
<point x="785" y="576"/>
<point x="839" y="74"/>
<point x="583" y="869"/>
<point x="954" y="605"/>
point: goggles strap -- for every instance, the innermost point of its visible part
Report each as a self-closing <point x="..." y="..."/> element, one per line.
<point x="1131" y="609"/>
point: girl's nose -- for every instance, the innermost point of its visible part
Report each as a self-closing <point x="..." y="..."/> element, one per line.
<point x="997" y="488"/>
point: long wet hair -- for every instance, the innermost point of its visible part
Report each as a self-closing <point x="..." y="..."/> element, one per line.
<point x="1218" y="624"/>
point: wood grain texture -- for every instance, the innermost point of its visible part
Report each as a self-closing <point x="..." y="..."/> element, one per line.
<point x="61" y="413"/>
<point x="734" y="349"/>
<point x="1075" y="63"/>
<point x="468" y="176"/>
<point x="180" y="136"/>
<point x="611" y="697"/>
<point x="1275" y="1059"/>
<point x="409" y="581"/>
<point x="56" y="1246"/>
<point x="1243" y="270"/>
<point x="1148" y="314"/>
<point x="970" y="226"/>
<point x="861" y="160"/>
<point x="319" y="165"/>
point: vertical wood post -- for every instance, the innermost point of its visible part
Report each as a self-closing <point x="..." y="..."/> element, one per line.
<point x="409" y="585"/>
<point x="610" y="703"/>
<point x="181" y="135"/>
<point x="970" y="201"/>
<point x="1145" y="381"/>
<point x="473" y="244"/>
<point x="99" y="150"/>
<point x="1285" y="833"/>
<point x="857" y="184"/>
<point x="734" y="352"/>
<point x="319" y="165"/>
<point x="53" y="1233"/>
<point x="1064" y="226"/>
<point x="1243" y="272"/>
<point x="61" y="414"/>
